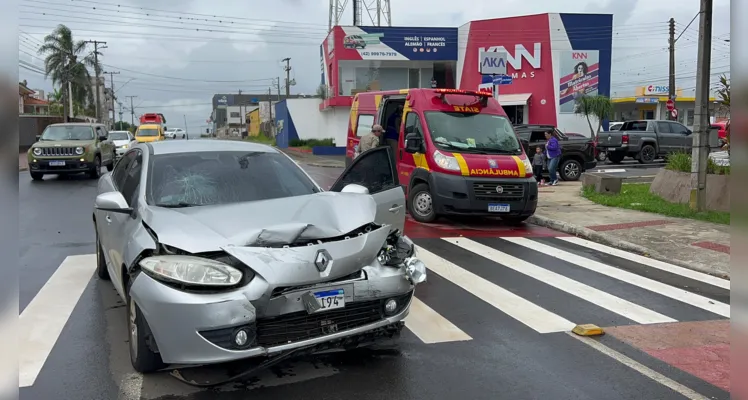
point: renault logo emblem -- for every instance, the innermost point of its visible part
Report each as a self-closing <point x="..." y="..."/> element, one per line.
<point x="322" y="260"/>
<point x="499" y="189"/>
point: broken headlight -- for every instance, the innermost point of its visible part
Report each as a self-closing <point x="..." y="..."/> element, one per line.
<point x="189" y="270"/>
<point x="396" y="250"/>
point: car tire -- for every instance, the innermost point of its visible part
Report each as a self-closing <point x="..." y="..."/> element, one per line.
<point x="95" y="172"/>
<point x="616" y="158"/>
<point x="515" y="219"/>
<point x="101" y="270"/>
<point x="142" y="357"/>
<point x="421" y="204"/>
<point x="36" y="176"/>
<point x="571" y="170"/>
<point x="647" y="154"/>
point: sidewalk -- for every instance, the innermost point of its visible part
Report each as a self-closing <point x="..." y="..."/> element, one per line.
<point x="313" y="160"/>
<point x="692" y="244"/>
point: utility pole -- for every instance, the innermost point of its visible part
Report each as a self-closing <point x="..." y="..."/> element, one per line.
<point x="270" y="107"/>
<point x="96" y="44"/>
<point x="671" y="84"/>
<point x="287" y="60"/>
<point x="132" y="111"/>
<point x="241" y="117"/>
<point x="111" y="80"/>
<point x="120" y="114"/>
<point x="278" y="85"/>
<point x="700" y="150"/>
<point x="186" y="134"/>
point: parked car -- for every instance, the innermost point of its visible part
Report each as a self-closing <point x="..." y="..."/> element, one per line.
<point x="71" y="148"/>
<point x="226" y="250"/>
<point x="577" y="153"/>
<point x="646" y="140"/>
<point x="175" y="133"/>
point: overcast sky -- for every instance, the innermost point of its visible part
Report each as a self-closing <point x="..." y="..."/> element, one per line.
<point x="175" y="54"/>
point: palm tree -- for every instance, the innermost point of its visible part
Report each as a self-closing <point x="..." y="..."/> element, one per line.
<point x="598" y="106"/>
<point x="65" y="62"/>
<point x="724" y="90"/>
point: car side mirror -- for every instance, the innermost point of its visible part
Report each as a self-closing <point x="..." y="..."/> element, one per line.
<point x="413" y="143"/>
<point x="354" y="188"/>
<point x="112" y="202"/>
<point x="38" y="137"/>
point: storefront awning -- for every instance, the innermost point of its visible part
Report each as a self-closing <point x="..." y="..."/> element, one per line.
<point x="514" y="99"/>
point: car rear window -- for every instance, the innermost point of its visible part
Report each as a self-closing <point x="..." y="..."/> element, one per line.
<point x="225" y="177"/>
<point x="147" y="132"/>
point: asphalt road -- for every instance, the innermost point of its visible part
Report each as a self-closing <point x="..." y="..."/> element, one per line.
<point x="492" y="321"/>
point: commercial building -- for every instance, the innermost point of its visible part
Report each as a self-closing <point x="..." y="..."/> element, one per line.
<point x="650" y="102"/>
<point x="228" y="110"/>
<point x="552" y="59"/>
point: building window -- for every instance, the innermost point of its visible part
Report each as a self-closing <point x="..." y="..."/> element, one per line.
<point x="235" y="115"/>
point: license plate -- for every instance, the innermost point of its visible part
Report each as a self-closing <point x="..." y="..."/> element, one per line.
<point x="57" y="163"/>
<point x="330" y="299"/>
<point x="498" y="208"/>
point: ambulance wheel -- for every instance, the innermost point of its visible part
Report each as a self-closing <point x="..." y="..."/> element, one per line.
<point x="421" y="204"/>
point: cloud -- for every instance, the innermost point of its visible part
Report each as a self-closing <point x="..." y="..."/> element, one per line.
<point x="175" y="59"/>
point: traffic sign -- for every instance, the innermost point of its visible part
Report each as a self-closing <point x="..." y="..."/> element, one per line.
<point x="492" y="63"/>
<point x="670" y="105"/>
<point x="502" y="80"/>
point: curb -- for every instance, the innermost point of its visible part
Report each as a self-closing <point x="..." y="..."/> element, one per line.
<point x="23" y="169"/>
<point x="611" y="241"/>
<point x="314" y="164"/>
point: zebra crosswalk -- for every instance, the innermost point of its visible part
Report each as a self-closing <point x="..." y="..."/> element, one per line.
<point x="478" y="289"/>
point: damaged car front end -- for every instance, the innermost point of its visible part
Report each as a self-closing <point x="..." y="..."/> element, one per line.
<point x="225" y="280"/>
<point x="212" y="308"/>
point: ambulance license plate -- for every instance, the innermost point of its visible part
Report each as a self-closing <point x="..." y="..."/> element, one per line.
<point x="493" y="207"/>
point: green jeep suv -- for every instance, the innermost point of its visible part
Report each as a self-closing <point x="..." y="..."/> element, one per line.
<point x="71" y="148"/>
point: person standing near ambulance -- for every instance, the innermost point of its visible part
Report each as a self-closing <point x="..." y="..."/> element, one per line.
<point x="371" y="140"/>
<point x="553" y="152"/>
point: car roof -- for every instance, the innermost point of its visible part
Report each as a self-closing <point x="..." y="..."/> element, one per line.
<point x="196" y="145"/>
<point x="77" y="124"/>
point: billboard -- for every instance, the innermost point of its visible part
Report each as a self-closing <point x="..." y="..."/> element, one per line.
<point x="578" y="71"/>
<point x="223" y="100"/>
<point x="396" y="43"/>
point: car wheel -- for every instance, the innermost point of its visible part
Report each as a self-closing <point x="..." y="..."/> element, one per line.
<point x="515" y="219"/>
<point x="647" y="154"/>
<point x="143" y="359"/>
<point x="95" y="171"/>
<point x="616" y="158"/>
<point x="571" y="170"/>
<point x="101" y="270"/>
<point x="36" y="176"/>
<point x="421" y="204"/>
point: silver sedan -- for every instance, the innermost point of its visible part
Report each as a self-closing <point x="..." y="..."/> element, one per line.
<point x="225" y="250"/>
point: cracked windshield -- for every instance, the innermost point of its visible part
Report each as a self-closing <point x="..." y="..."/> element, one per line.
<point x="374" y="199"/>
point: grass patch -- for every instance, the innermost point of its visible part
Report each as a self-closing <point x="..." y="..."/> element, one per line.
<point x="262" y="139"/>
<point x="636" y="196"/>
<point x="681" y="162"/>
<point x="309" y="143"/>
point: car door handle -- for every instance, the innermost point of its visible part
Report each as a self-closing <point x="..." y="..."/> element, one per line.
<point x="395" y="208"/>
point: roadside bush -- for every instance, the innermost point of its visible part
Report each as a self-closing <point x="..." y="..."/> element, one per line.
<point x="681" y="162"/>
<point x="311" y="142"/>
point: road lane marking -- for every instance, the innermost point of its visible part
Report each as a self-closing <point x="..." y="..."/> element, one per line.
<point x="430" y="326"/>
<point x="640" y="368"/>
<point x="603" y="299"/>
<point x="685" y="272"/>
<point x="628" y="277"/>
<point x="528" y="313"/>
<point x="42" y="321"/>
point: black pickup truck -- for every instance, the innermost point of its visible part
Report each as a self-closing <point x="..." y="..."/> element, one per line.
<point x="577" y="153"/>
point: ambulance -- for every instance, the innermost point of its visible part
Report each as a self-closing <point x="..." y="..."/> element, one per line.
<point x="456" y="152"/>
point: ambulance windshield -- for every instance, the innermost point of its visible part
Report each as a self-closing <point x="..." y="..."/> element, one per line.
<point x="473" y="133"/>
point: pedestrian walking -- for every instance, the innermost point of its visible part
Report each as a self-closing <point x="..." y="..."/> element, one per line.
<point x="553" y="152"/>
<point x="538" y="162"/>
<point x="371" y="140"/>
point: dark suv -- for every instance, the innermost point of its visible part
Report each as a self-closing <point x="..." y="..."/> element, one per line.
<point x="577" y="153"/>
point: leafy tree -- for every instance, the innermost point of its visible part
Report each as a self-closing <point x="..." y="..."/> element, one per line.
<point x="65" y="61"/>
<point x="122" y="126"/>
<point x="724" y="90"/>
<point x="600" y="107"/>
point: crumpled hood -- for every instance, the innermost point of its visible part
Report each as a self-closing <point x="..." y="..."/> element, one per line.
<point x="261" y="223"/>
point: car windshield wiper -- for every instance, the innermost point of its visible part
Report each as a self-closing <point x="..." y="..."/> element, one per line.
<point x="181" y="204"/>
